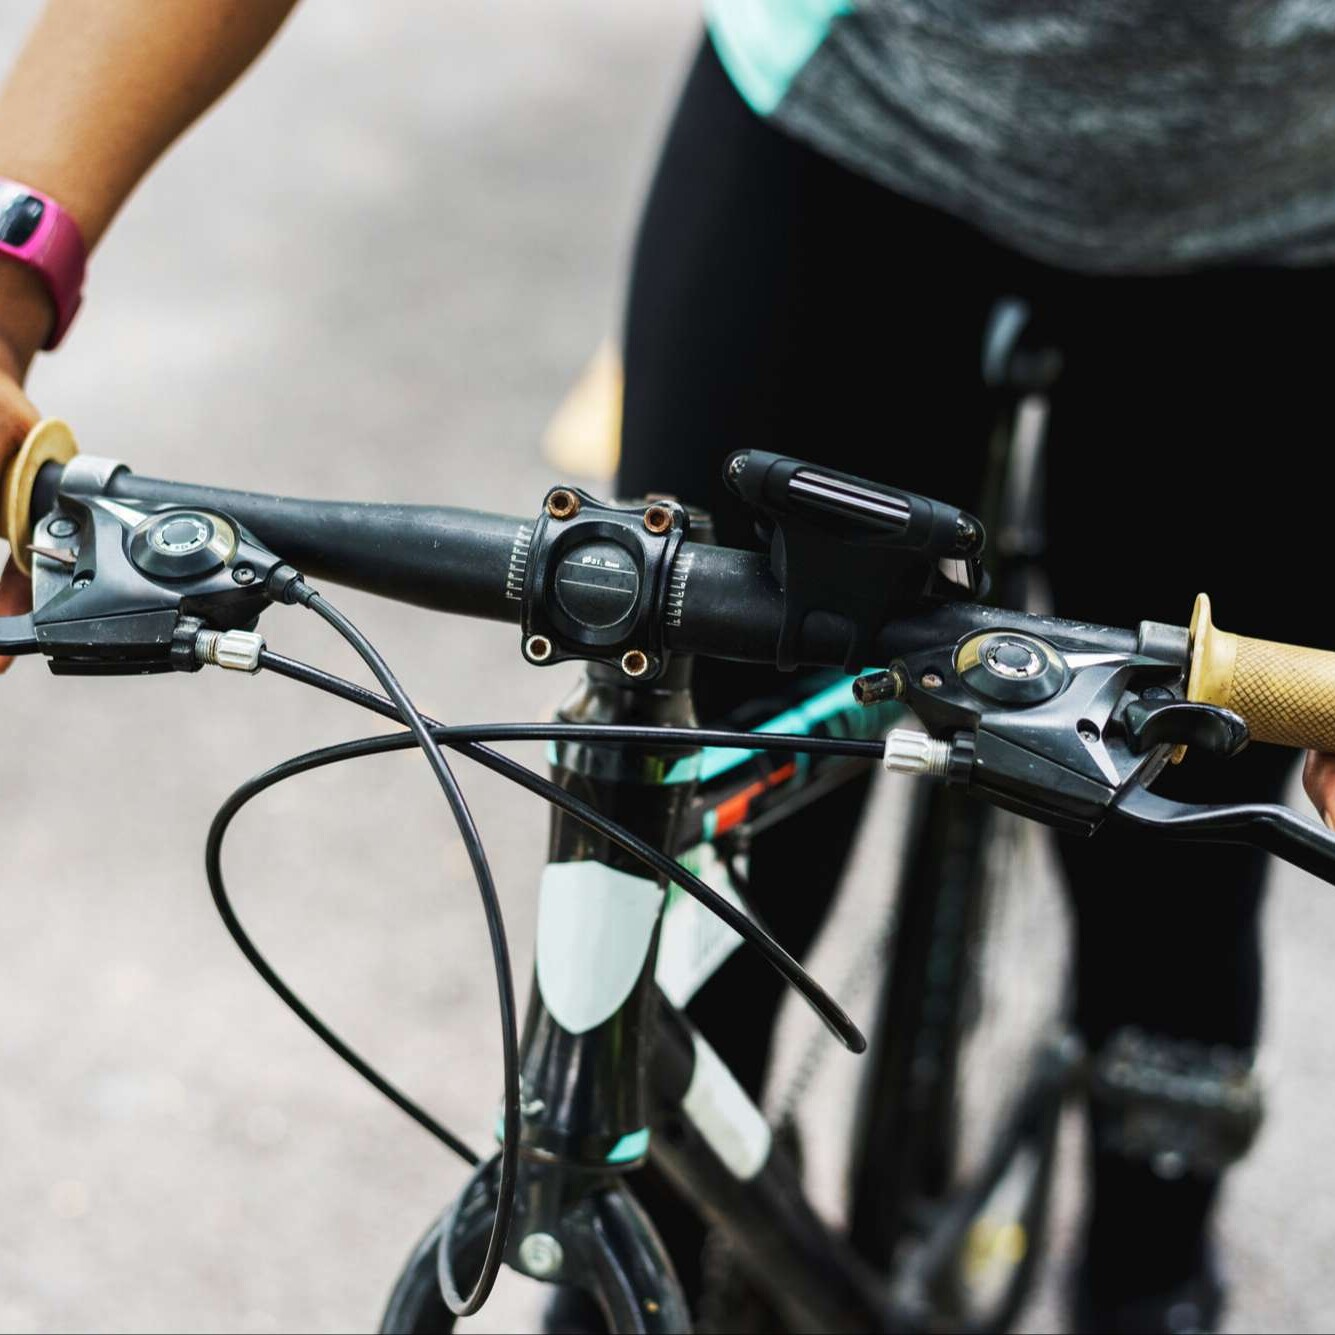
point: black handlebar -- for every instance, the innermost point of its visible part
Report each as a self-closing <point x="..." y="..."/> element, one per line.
<point x="435" y="556"/>
<point x="728" y="604"/>
<point x="1060" y="720"/>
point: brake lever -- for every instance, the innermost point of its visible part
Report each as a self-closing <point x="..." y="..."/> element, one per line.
<point x="1169" y="721"/>
<point x="18" y="635"/>
<point x="1276" y="829"/>
<point x="121" y="586"/>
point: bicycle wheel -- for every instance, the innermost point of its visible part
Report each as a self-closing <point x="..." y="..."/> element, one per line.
<point x="957" y="1122"/>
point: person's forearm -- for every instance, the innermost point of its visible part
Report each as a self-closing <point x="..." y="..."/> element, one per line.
<point x="100" y="89"/>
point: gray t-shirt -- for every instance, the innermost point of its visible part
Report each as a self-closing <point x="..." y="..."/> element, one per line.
<point x="1101" y="135"/>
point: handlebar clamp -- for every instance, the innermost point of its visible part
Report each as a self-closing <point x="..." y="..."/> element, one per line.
<point x="597" y="582"/>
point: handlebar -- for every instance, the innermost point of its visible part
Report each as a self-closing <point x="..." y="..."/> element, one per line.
<point x="1060" y="720"/>
<point x="724" y="602"/>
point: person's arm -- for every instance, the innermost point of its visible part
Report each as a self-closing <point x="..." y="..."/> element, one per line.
<point x="99" y="91"/>
<point x="1319" y="780"/>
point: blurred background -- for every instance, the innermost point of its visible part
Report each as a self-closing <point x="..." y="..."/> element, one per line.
<point x="374" y="272"/>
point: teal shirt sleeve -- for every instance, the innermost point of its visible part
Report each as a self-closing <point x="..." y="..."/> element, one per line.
<point x="763" y="44"/>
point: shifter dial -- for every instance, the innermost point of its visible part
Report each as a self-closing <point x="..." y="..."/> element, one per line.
<point x="176" y="544"/>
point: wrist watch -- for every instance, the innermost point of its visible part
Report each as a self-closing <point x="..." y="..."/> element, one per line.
<point x="38" y="233"/>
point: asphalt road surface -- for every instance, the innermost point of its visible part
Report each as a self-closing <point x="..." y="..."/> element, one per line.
<point x="372" y="273"/>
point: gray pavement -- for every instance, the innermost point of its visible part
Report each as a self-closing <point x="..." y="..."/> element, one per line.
<point x="372" y="273"/>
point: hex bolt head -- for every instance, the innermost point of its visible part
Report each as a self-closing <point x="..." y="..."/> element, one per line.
<point x="541" y="1255"/>
<point x="658" y="519"/>
<point x="562" y="504"/>
<point x="635" y="662"/>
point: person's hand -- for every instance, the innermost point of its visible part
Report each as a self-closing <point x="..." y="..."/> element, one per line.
<point x="1319" y="780"/>
<point x="17" y="418"/>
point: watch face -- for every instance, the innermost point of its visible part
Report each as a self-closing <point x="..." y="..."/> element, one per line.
<point x="19" y="216"/>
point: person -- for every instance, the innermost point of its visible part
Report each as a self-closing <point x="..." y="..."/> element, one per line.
<point x="844" y="193"/>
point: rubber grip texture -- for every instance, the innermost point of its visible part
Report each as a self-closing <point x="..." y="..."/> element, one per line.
<point x="1284" y="692"/>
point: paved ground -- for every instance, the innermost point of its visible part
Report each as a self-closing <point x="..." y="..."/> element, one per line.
<point x="371" y="274"/>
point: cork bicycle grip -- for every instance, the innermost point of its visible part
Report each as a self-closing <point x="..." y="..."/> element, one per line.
<point x="50" y="441"/>
<point x="1284" y="692"/>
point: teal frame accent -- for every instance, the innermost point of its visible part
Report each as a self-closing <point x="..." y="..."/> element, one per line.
<point x="802" y="720"/>
<point x="633" y="1145"/>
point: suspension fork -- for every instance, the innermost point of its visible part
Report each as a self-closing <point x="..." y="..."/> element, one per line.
<point x="584" y="1054"/>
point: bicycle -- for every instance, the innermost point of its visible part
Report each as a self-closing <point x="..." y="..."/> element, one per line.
<point x="1062" y="722"/>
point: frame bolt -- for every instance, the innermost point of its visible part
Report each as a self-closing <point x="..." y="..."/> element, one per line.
<point x="562" y="504"/>
<point x="541" y="1255"/>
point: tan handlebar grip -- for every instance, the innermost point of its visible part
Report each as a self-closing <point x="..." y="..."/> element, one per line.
<point x="50" y="441"/>
<point x="1285" y="693"/>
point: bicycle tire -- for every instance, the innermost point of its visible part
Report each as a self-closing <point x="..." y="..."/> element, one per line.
<point x="912" y="1161"/>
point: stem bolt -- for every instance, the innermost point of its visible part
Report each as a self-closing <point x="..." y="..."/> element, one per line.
<point x="930" y="681"/>
<point x="562" y="504"/>
<point x="540" y="1254"/>
<point x="537" y="648"/>
<point x="635" y="662"/>
<point x="658" y="519"/>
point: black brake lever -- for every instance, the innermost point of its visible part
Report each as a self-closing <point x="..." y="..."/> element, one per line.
<point x="18" y="635"/>
<point x="1169" y="721"/>
<point x="1279" y="830"/>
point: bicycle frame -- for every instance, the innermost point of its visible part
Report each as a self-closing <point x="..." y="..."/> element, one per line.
<point x="614" y="1073"/>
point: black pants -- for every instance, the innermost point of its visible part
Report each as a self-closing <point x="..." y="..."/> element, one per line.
<point x="781" y="302"/>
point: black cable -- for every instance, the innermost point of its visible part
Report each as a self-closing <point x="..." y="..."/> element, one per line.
<point x="222" y="820"/>
<point x="467" y="739"/>
<point x="247" y="792"/>
<point x="404" y="710"/>
<point x="604" y="734"/>
<point x="459" y="739"/>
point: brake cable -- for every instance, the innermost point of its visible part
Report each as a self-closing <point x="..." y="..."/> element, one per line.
<point x="465" y="740"/>
<point x="298" y="591"/>
<point x="428" y="735"/>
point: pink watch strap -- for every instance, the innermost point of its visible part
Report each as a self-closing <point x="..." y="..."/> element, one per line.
<point x="37" y="232"/>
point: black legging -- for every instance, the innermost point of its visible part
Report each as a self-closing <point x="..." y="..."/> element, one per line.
<point x="782" y="302"/>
